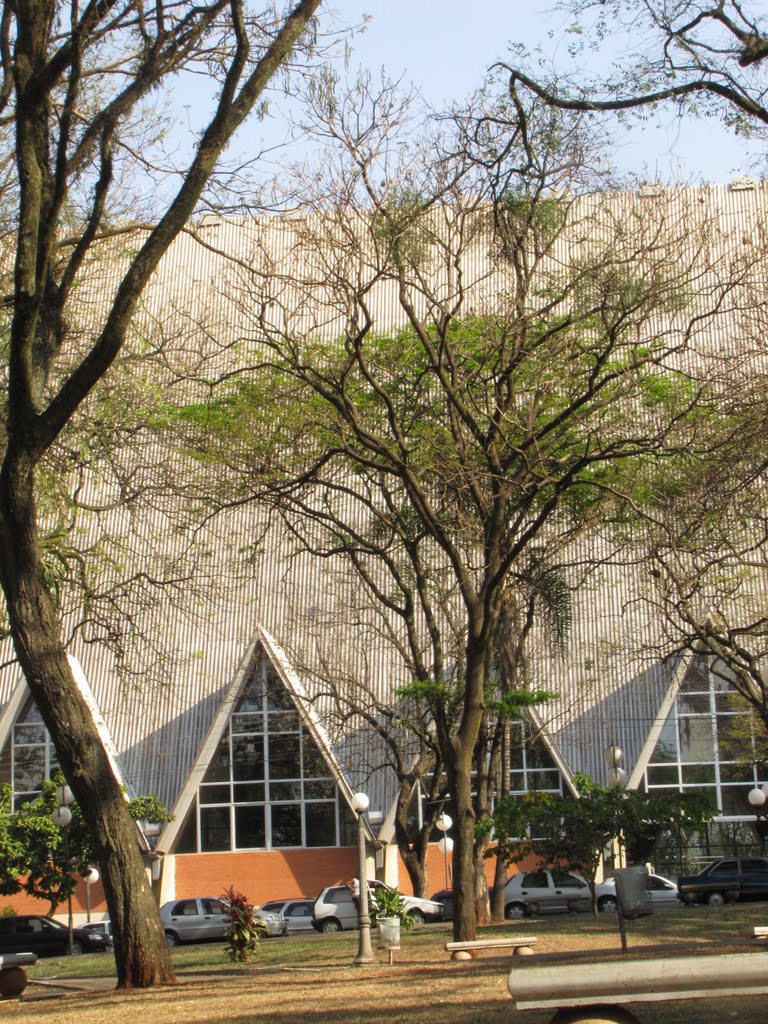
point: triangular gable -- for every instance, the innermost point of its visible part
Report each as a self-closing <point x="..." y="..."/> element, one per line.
<point x="681" y="666"/>
<point x="307" y="713"/>
<point x="550" y="744"/>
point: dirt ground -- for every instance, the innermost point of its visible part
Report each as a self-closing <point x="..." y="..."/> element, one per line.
<point x="421" y="987"/>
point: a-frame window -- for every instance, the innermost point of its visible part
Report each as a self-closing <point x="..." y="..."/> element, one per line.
<point x="267" y="785"/>
<point x="532" y="767"/>
<point x="29" y="756"/>
<point x="706" y="743"/>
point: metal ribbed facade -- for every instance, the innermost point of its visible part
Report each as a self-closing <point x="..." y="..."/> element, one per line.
<point x="198" y="597"/>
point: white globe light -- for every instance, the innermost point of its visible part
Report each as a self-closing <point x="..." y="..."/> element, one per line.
<point x="616" y="777"/>
<point x="756" y="797"/>
<point x="613" y="756"/>
<point x="91" y="876"/>
<point x="445" y="845"/>
<point x="360" y="803"/>
<point x="444" y="822"/>
<point x="61" y="816"/>
<point x="64" y="796"/>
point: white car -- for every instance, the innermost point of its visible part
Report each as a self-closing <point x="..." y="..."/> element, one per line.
<point x="661" y="891"/>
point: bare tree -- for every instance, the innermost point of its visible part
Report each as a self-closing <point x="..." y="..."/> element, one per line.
<point x="464" y="355"/>
<point x="703" y="56"/>
<point x="75" y="86"/>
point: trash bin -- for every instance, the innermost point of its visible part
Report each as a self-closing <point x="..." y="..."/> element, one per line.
<point x="632" y="891"/>
<point x="389" y="932"/>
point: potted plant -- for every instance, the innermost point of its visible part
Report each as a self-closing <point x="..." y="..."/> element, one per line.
<point x="388" y="908"/>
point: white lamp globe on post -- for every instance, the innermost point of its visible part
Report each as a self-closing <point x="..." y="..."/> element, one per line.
<point x="365" y="955"/>
<point x="445" y="845"/>
<point x="90" y="878"/>
<point x="614" y="756"/>
<point x="62" y="817"/>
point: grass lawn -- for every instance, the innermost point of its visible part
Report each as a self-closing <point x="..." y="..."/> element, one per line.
<point x="311" y="978"/>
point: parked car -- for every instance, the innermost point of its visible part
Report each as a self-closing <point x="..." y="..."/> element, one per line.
<point x="33" y="933"/>
<point x="195" y="919"/>
<point x="545" y="892"/>
<point x="283" y="917"/>
<point x="336" y="908"/>
<point x="98" y="926"/>
<point x="445" y="896"/>
<point x="726" y="880"/>
<point x="661" y="891"/>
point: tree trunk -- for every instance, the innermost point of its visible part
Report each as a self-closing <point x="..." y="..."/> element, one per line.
<point x="141" y="951"/>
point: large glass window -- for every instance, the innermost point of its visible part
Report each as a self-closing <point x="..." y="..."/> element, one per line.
<point x="532" y="767"/>
<point x="267" y="785"/>
<point x="707" y="747"/>
<point x="30" y="757"/>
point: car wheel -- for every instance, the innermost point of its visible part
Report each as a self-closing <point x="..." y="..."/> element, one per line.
<point x="607" y="904"/>
<point x="515" y="911"/>
<point x="172" y="938"/>
<point x="329" y="926"/>
<point x="716" y="899"/>
<point x="418" y="917"/>
<point x="77" y="948"/>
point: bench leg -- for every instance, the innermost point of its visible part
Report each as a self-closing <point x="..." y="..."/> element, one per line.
<point x="461" y="954"/>
<point x="13" y="981"/>
<point x="522" y="951"/>
<point x="594" y="1015"/>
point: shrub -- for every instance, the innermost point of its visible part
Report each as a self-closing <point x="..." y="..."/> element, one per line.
<point x="244" y="930"/>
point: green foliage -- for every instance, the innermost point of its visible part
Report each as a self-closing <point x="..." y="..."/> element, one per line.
<point x="572" y="833"/>
<point x="42" y="859"/>
<point x="390" y="903"/>
<point x="245" y="927"/>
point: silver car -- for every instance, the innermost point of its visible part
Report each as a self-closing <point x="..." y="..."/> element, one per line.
<point x="195" y="919"/>
<point x="661" y="891"/>
<point x="545" y="892"/>
<point x="283" y="917"/>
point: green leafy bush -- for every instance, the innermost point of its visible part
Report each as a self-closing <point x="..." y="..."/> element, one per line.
<point x="245" y="929"/>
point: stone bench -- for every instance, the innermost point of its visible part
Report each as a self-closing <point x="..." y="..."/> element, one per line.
<point x="13" y="977"/>
<point x="466" y="950"/>
<point x="583" y="995"/>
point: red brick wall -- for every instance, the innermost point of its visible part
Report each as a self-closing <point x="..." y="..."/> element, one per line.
<point x="23" y="904"/>
<point x="266" y="874"/>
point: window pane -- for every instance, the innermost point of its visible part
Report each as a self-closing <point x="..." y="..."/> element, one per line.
<point x="664" y="775"/>
<point x="215" y="832"/>
<point x="253" y="694"/>
<point x="34" y="733"/>
<point x="279" y="791"/>
<point x="544" y="780"/>
<point x="248" y="757"/>
<point x="696" y="739"/>
<point x="734" y="800"/>
<point x="320" y="790"/>
<point x="737" y="773"/>
<point x="249" y="828"/>
<point x="320" y="824"/>
<point x="286" y="825"/>
<point x="218" y="769"/>
<point x="29" y="769"/>
<point x="284" y="757"/>
<point x="697" y="773"/>
<point x="278" y="698"/>
<point x="697" y="704"/>
<point x="214" y="794"/>
<point x="666" y="747"/>
<point x="247" y="723"/>
<point x="314" y="763"/>
<point x="284" y="721"/>
<point x="248" y="792"/>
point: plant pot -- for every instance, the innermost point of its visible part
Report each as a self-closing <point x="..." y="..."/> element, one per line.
<point x="389" y="932"/>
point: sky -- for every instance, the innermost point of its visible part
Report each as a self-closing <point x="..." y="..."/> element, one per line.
<point x="445" y="47"/>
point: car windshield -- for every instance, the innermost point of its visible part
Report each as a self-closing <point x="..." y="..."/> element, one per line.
<point x="55" y="924"/>
<point x="274" y="907"/>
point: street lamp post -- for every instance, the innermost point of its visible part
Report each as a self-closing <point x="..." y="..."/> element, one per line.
<point x="90" y="877"/>
<point x="62" y="816"/>
<point x="443" y="823"/>
<point x="757" y="798"/>
<point x="364" y="949"/>
<point x="614" y="757"/>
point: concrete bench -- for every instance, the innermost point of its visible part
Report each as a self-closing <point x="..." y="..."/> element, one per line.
<point x="759" y="932"/>
<point x="466" y="950"/>
<point x="589" y="994"/>
<point x="13" y="977"/>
